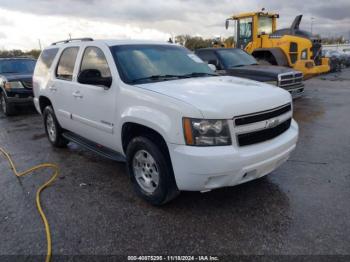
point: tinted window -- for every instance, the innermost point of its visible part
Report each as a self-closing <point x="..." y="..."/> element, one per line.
<point x="137" y="62"/>
<point x="235" y="57"/>
<point x="45" y="61"/>
<point x="94" y="58"/>
<point x="16" y="66"/>
<point x="66" y="64"/>
<point x="207" y="56"/>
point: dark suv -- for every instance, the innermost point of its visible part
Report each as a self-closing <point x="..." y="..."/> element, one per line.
<point x="16" y="85"/>
<point x="236" y="62"/>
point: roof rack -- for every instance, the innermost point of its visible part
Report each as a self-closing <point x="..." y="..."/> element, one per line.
<point x="73" y="40"/>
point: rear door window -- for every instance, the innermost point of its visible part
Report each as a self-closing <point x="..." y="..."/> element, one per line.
<point x="66" y="63"/>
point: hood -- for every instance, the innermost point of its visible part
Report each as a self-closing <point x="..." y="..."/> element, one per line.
<point x="19" y="77"/>
<point x="263" y="71"/>
<point x="222" y="97"/>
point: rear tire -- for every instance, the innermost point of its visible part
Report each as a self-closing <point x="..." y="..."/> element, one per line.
<point x="150" y="171"/>
<point x="53" y="129"/>
<point x="7" y="108"/>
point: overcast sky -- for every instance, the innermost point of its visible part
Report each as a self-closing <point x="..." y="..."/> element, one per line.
<point x="23" y="22"/>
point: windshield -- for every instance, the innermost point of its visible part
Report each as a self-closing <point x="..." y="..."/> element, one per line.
<point x="17" y="66"/>
<point x="235" y="58"/>
<point x="150" y="63"/>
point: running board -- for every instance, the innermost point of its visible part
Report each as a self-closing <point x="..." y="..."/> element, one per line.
<point x="94" y="147"/>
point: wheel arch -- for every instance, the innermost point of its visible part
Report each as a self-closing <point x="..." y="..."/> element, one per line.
<point x="132" y="129"/>
<point x="44" y="102"/>
<point x="274" y="55"/>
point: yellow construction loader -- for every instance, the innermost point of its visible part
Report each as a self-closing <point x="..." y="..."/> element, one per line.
<point x="257" y="34"/>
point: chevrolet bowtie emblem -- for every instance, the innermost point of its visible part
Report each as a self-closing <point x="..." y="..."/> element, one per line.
<point x="271" y="123"/>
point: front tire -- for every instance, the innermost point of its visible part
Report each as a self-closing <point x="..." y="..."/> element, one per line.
<point x="150" y="171"/>
<point x="7" y="108"/>
<point x="53" y="129"/>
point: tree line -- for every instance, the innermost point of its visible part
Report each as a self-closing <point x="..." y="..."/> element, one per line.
<point x="196" y="42"/>
<point x="34" y="53"/>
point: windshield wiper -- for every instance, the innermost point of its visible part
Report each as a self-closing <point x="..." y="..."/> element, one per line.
<point x="237" y="66"/>
<point x="155" y="77"/>
<point x="197" y="74"/>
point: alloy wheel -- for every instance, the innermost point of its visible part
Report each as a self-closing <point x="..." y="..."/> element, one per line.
<point x="51" y="128"/>
<point x="146" y="171"/>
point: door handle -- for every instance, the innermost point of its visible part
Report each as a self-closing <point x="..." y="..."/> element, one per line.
<point x="52" y="88"/>
<point x="77" y="94"/>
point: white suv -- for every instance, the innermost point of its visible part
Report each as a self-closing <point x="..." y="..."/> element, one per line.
<point x="178" y="125"/>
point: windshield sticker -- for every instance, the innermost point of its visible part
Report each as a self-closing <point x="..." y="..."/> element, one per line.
<point x="195" y="58"/>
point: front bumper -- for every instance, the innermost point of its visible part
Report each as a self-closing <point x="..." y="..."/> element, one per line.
<point x="207" y="168"/>
<point x="18" y="100"/>
<point x="19" y="96"/>
<point x="295" y="91"/>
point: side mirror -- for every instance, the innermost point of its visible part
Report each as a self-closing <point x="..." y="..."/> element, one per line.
<point x="227" y="23"/>
<point x="94" y="77"/>
<point x="212" y="67"/>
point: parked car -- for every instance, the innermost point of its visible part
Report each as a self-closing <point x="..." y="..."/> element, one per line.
<point x="335" y="60"/>
<point x="15" y="83"/>
<point x="178" y="125"/>
<point x="346" y="58"/>
<point x="237" y="62"/>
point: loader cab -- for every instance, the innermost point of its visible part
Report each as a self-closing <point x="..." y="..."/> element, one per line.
<point x="249" y="27"/>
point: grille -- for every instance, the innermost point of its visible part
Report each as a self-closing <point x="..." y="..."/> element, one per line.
<point x="263" y="135"/>
<point x="27" y="84"/>
<point x="293" y="47"/>
<point x="257" y="117"/>
<point x="262" y="126"/>
<point x="290" y="79"/>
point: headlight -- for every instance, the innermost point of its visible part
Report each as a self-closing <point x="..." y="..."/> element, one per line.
<point x="202" y="132"/>
<point x="274" y="83"/>
<point x="13" y="85"/>
<point x="304" y="55"/>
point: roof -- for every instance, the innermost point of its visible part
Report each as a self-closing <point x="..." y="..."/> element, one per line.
<point x="108" y="42"/>
<point x="214" y="48"/>
<point x="249" y="14"/>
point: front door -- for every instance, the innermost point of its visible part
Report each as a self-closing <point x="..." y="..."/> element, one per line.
<point x="95" y="105"/>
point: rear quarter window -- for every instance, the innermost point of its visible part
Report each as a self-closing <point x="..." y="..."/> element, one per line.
<point x="45" y="61"/>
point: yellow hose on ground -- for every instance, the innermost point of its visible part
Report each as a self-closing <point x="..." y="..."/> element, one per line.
<point x="38" y="192"/>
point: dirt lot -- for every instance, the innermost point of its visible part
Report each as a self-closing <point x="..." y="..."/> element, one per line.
<point x="300" y="209"/>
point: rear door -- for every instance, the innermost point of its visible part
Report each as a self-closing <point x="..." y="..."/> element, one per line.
<point x="60" y="88"/>
<point x="95" y="106"/>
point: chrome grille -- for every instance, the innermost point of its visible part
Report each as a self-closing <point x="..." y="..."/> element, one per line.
<point x="290" y="79"/>
<point x="262" y="126"/>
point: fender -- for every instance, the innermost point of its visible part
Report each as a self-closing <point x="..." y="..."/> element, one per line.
<point x="277" y="53"/>
<point x="154" y="119"/>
